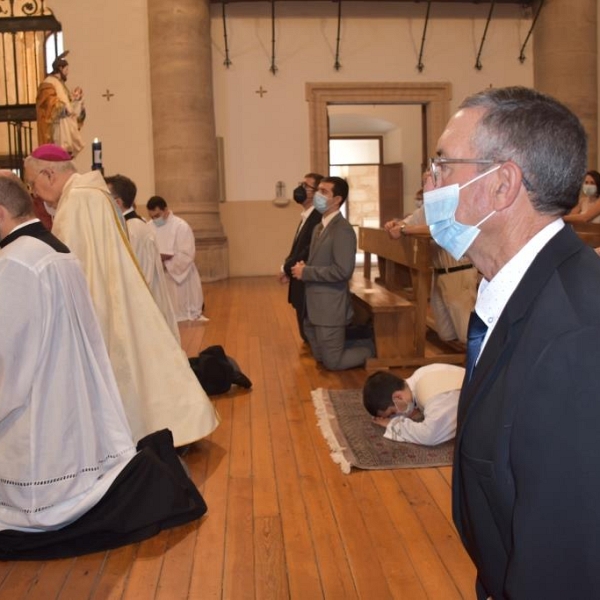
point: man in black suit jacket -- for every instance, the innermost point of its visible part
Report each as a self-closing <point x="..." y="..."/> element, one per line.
<point x="526" y="484"/>
<point x="310" y="217"/>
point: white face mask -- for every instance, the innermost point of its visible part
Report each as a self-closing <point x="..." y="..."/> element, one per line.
<point x="410" y="407"/>
<point x="159" y="221"/>
<point x="440" y="209"/>
<point x="589" y="190"/>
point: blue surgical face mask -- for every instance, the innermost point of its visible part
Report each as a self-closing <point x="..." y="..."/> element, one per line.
<point x="159" y="221"/>
<point x="440" y="209"/>
<point x="320" y="202"/>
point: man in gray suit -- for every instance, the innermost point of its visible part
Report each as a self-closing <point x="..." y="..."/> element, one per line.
<point x="326" y="274"/>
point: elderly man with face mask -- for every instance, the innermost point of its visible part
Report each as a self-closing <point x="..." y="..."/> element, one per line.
<point x="509" y="166"/>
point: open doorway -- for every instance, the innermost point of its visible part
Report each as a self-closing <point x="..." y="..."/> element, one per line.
<point x="432" y="98"/>
<point x="380" y="150"/>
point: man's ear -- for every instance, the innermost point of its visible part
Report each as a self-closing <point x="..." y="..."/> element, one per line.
<point x="50" y="173"/>
<point x="507" y="185"/>
<point x="4" y="216"/>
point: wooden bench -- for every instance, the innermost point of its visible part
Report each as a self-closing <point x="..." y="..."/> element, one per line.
<point x="392" y="317"/>
<point x="589" y="233"/>
<point x="412" y="254"/>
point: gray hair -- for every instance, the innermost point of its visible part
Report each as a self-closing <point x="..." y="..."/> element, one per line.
<point x="14" y="196"/>
<point x="539" y="134"/>
<point x="60" y="166"/>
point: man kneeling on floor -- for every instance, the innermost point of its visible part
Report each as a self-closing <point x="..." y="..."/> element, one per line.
<point x="72" y="480"/>
<point x="431" y="392"/>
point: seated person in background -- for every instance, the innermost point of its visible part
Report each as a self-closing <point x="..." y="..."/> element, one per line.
<point x="71" y="478"/>
<point x="432" y="390"/>
<point x="588" y="207"/>
<point x="144" y="246"/>
<point x="454" y="287"/>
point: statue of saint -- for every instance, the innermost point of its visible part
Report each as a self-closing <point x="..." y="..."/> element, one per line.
<point x="60" y="112"/>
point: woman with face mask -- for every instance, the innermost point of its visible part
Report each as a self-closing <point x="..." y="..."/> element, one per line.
<point x="588" y="208"/>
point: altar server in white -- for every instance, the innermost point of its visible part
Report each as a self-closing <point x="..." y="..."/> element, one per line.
<point x="178" y="250"/>
<point x="145" y="248"/>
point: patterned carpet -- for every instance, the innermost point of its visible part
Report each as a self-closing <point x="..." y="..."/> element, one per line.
<point x="355" y="441"/>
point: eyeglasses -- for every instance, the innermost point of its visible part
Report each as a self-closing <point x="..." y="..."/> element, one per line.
<point x="307" y="186"/>
<point x="436" y="165"/>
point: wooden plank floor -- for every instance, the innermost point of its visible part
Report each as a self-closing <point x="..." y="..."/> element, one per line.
<point x="283" y="520"/>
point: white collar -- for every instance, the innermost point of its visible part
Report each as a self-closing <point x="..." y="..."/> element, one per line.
<point x="493" y="296"/>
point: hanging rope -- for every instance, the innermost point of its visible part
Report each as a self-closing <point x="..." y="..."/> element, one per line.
<point x="337" y="65"/>
<point x="535" y="18"/>
<point x="226" y="62"/>
<point x="420" y="64"/>
<point x="478" y="64"/>
<point x="273" y="68"/>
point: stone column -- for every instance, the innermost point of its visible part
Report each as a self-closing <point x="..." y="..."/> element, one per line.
<point x="185" y="145"/>
<point x="565" y="61"/>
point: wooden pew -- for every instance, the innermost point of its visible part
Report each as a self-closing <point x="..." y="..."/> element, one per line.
<point x="589" y="233"/>
<point x="392" y="317"/>
<point x="412" y="254"/>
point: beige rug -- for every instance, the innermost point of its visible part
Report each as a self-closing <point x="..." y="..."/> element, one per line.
<point x="355" y="441"/>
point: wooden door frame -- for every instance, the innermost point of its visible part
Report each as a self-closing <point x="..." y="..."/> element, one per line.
<point x="435" y="97"/>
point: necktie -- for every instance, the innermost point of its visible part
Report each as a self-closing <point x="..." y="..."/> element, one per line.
<point x="475" y="335"/>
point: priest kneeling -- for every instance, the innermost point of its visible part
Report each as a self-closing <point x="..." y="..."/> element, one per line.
<point x="72" y="481"/>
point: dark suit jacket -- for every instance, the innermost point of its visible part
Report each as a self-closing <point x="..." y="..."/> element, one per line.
<point x="299" y="252"/>
<point x="132" y="215"/>
<point x="526" y="480"/>
<point x="326" y="275"/>
<point x="36" y="230"/>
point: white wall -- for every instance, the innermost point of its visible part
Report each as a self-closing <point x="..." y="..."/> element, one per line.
<point x="266" y="139"/>
<point x="108" y="43"/>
